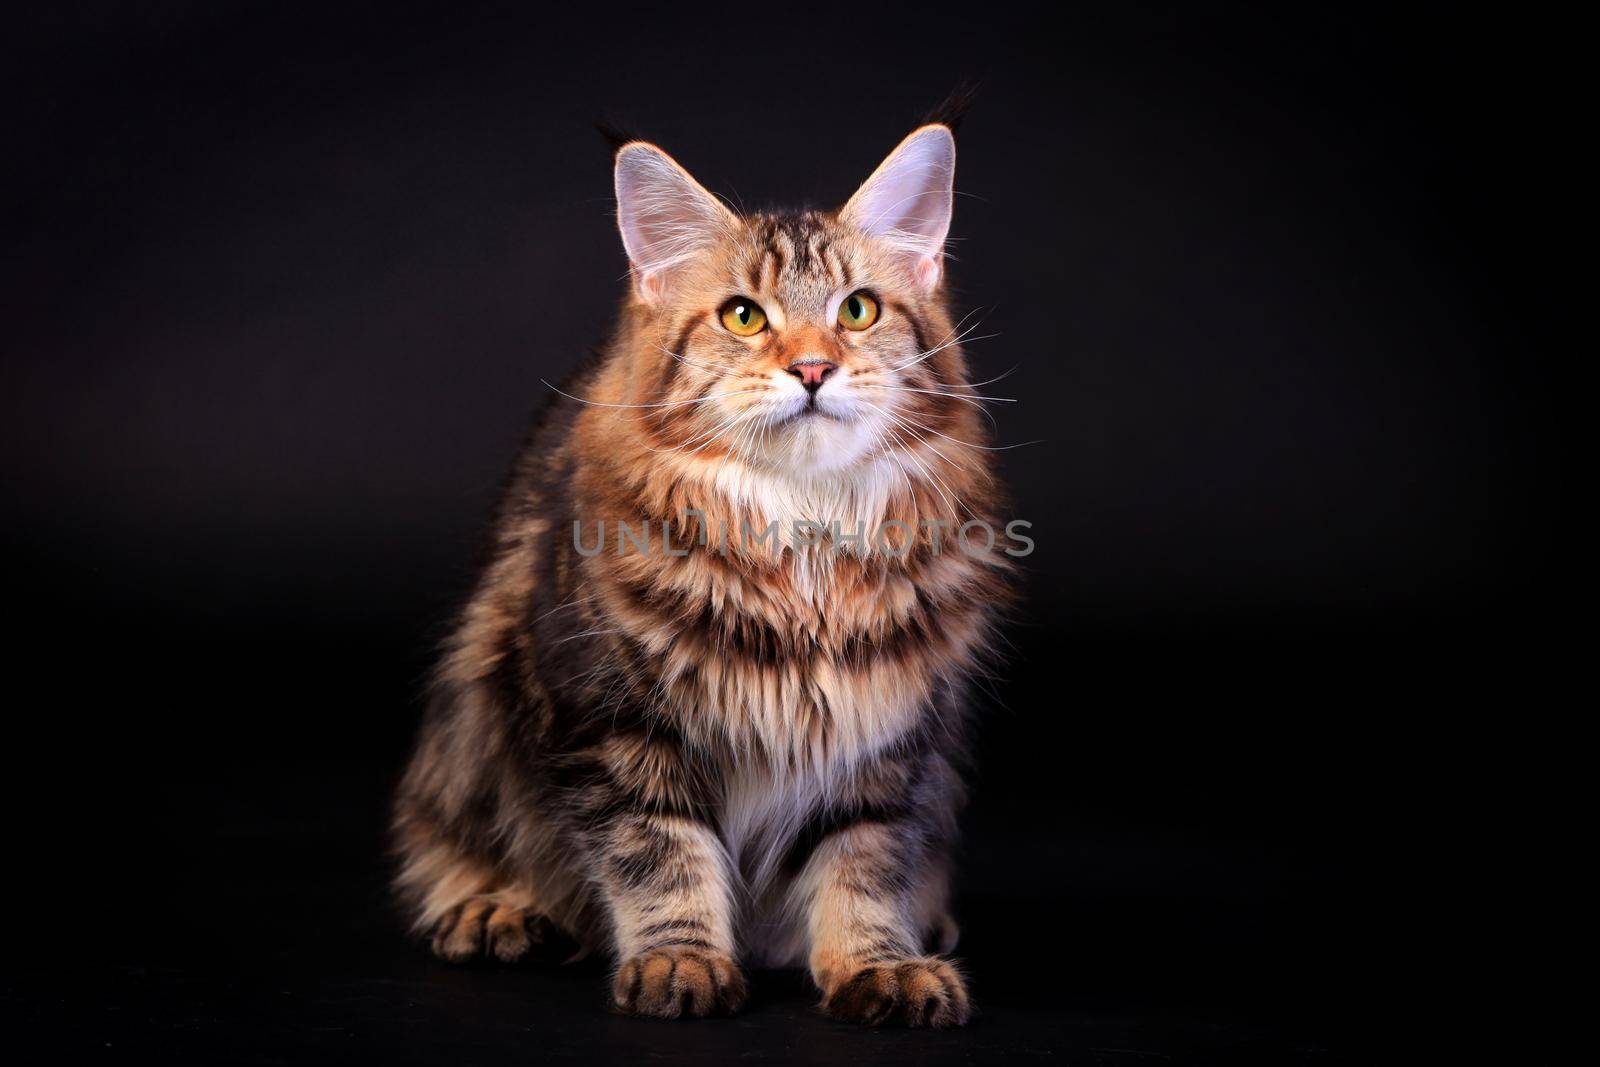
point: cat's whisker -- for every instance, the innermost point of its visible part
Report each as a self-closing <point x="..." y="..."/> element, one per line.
<point x="716" y="429"/>
<point x="763" y="432"/>
<point x="950" y="496"/>
<point x="990" y="381"/>
<point x="959" y="441"/>
<point x="587" y="633"/>
<point x="964" y="338"/>
<point x="946" y="341"/>
<point x="976" y="402"/>
<point x="972" y="398"/>
<point x="913" y="428"/>
<point x="939" y="486"/>
<point x="995" y="448"/>
<point x="662" y="404"/>
<point x="707" y="436"/>
<point x="691" y="363"/>
<point x="569" y="603"/>
<point x="735" y="421"/>
<point x="745" y="439"/>
<point x="888" y="452"/>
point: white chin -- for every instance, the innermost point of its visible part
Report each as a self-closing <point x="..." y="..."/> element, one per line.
<point x="815" y="443"/>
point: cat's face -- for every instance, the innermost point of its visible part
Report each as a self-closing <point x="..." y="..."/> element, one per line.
<point x="806" y="342"/>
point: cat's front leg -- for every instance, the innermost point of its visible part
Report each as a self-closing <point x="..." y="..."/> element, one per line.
<point x="665" y="881"/>
<point x="862" y="883"/>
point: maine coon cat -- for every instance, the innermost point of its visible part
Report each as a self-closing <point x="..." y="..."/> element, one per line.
<point x="732" y="734"/>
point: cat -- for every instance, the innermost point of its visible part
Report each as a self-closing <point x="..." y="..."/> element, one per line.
<point x="738" y="737"/>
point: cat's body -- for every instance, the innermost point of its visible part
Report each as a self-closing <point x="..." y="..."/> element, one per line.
<point x="712" y="745"/>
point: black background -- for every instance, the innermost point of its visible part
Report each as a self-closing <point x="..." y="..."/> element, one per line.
<point x="281" y="284"/>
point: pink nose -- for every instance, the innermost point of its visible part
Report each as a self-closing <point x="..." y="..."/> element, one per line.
<point x="812" y="373"/>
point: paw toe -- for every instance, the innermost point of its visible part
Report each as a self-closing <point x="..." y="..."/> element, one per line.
<point x="921" y="992"/>
<point x="508" y="935"/>
<point x="482" y="927"/>
<point x="459" y="935"/>
<point x="671" y="983"/>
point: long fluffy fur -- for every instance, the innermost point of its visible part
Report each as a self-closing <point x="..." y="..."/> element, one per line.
<point x="695" y="758"/>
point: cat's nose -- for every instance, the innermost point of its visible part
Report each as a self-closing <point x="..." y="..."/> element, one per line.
<point x="812" y="373"/>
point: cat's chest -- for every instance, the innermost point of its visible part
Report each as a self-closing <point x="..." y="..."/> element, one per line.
<point x="815" y="666"/>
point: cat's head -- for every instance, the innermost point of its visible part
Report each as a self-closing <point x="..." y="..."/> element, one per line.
<point x="804" y="342"/>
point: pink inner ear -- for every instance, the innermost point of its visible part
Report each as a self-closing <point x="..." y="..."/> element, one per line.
<point x="906" y="202"/>
<point x="665" y="216"/>
<point x="650" y="284"/>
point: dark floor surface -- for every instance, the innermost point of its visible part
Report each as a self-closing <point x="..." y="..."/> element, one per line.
<point x="1089" y="946"/>
<point x="323" y="977"/>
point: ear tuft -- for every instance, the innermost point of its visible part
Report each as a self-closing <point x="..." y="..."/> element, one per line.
<point x="953" y="108"/>
<point x="614" y="135"/>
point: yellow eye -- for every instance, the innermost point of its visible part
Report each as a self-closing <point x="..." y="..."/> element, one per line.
<point x="858" y="311"/>
<point x="743" y="317"/>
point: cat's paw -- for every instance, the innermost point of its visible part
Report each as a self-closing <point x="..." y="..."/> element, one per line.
<point x="921" y="992"/>
<point x="670" y="982"/>
<point x="481" y="927"/>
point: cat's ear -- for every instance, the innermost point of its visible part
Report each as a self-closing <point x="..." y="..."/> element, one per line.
<point x="664" y="214"/>
<point x="907" y="201"/>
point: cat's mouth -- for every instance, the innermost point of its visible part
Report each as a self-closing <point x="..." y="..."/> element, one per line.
<point x="812" y="410"/>
<point x="807" y="410"/>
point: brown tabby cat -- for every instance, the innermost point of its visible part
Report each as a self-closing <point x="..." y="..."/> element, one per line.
<point x="712" y="739"/>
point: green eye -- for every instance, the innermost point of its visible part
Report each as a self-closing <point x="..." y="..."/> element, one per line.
<point x="858" y="311"/>
<point x="743" y="317"/>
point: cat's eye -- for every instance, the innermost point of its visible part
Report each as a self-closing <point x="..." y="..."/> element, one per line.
<point x="858" y="311"/>
<point x="743" y="317"/>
